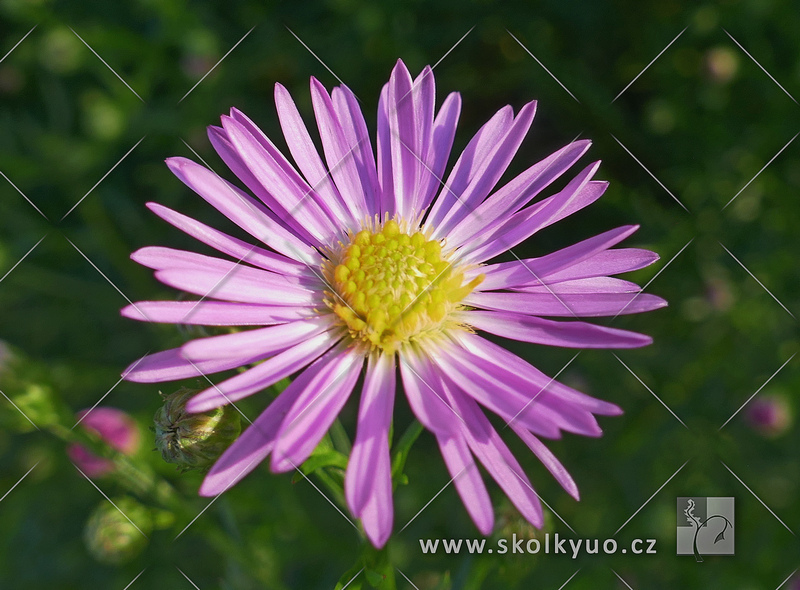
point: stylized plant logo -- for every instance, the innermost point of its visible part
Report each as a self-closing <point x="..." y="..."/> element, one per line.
<point x="697" y="524"/>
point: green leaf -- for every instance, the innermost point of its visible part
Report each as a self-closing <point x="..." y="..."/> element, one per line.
<point x="402" y="449"/>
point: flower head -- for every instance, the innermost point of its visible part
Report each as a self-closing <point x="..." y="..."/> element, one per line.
<point x="367" y="265"/>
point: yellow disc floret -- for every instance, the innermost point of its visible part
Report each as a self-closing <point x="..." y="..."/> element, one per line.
<point x="391" y="287"/>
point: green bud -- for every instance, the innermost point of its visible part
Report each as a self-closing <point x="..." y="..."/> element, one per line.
<point x="193" y="441"/>
<point x="113" y="539"/>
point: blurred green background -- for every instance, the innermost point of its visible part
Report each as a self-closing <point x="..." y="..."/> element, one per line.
<point x="704" y="119"/>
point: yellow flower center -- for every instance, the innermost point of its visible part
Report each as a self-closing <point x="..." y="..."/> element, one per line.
<point x="391" y="287"/>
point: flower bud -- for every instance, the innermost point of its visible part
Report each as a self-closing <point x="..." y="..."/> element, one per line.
<point x="193" y="441"/>
<point x="113" y="539"/>
<point x="115" y="428"/>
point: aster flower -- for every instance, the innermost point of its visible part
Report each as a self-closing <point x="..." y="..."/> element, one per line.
<point x="367" y="266"/>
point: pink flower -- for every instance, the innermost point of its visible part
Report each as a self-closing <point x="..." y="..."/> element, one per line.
<point x="365" y="266"/>
<point x="115" y="428"/>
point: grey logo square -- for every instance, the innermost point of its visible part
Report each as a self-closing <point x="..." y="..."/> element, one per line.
<point x="705" y="526"/>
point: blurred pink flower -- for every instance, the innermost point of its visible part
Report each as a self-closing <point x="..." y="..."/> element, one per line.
<point x="115" y="428"/>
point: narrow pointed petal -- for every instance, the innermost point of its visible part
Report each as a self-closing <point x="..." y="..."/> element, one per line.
<point x="261" y="376"/>
<point x="442" y="136"/>
<point x="552" y="333"/>
<point x="468" y="481"/>
<point x="269" y="340"/>
<point x="533" y="271"/>
<point x="307" y="157"/>
<point x="315" y="409"/>
<point x="229" y="245"/>
<point x="213" y="313"/>
<point x="567" y="304"/>
<point x="549" y="460"/>
<point x="369" y="472"/>
<point x="428" y="405"/>
<point x="169" y="365"/>
<point x="242" y="209"/>
<point x="609" y="262"/>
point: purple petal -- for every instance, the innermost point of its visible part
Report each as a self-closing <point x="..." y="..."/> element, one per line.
<point x="567" y="304"/>
<point x="486" y="175"/>
<point x="403" y="140"/>
<point x="507" y="275"/>
<point x="239" y="283"/>
<point x="242" y="209"/>
<point x="517" y="193"/>
<point x="442" y="135"/>
<point x="292" y="198"/>
<point x="254" y="444"/>
<point x="609" y="262"/>
<point x="369" y="470"/>
<point x="579" y="193"/>
<point x="264" y="341"/>
<point x="213" y="313"/>
<point x="162" y="258"/>
<point x="428" y="405"/>
<point x="339" y="154"/>
<point x="306" y="156"/>
<point x="470" y="160"/>
<point x="229" y="245"/>
<point x="315" y="410"/>
<point x="468" y="481"/>
<point x="552" y="333"/>
<point x="493" y="453"/>
<point x="549" y="460"/>
<point x="357" y="141"/>
<point x="526" y="377"/>
<point x="169" y="365"/>
<point x="262" y="375"/>
<point x="590" y="285"/>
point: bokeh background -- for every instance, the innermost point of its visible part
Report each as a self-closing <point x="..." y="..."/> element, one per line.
<point x="704" y="119"/>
